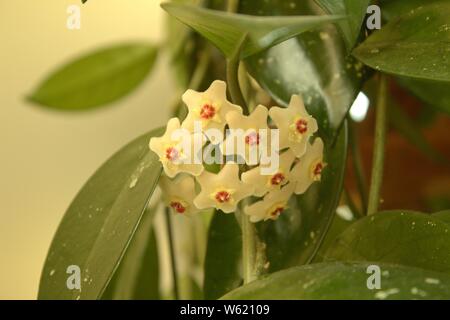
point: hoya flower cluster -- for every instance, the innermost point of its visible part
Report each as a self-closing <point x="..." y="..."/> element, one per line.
<point x="274" y="155"/>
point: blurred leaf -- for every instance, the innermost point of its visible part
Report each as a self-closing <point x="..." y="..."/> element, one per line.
<point x="401" y="237"/>
<point x="415" y="45"/>
<point x="137" y="277"/>
<point x="223" y="256"/>
<point x="225" y="30"/>
<point x="101" y="221"/>
<point x="411" y="131"/>
<point x="96" y="79"/>
<point x="313" y="64"/>
<point x="355" y="10"/>
<point x="434" y="93"/>
<point x="295" y="237"/>
<point x="342" y="281"/>
<point x="442" y="215"/>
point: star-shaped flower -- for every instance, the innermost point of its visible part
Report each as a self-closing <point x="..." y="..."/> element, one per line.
<point x="176" y="149"/>
<point x="223" y="190"/>
<point x="179" y="194"/>
<point x="295" y="124"/>
<point x="248" y="134"/>
<point x="309" y="169"/>
<point x="209" y="107"/>
<point x="266" y="183"/>
<point x="272" y="206"/>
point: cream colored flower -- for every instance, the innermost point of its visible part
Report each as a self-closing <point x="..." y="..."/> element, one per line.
<point x="247" y="134"/>
<point x="266" y="183"/>
<point x="295" y="124"/>
<point x="179" y="194"/>
<point x="309" y="169"/>
<point x="223" y="190"/>
<point x="273" y="204"/>
<point x="209" y="107"/>
<point x="176" y="150"/>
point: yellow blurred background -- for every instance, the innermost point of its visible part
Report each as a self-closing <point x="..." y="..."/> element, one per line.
<point x="46" y="156"/>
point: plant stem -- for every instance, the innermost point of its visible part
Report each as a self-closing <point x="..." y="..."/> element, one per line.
<point x="172" y="253"/>
<point x="201" y="69"/>
<point x="378" y="152"/>
<point x="233" y="80"/>
<point x="232" y="5"/>
<point x="249" y="237"/>
<point x="196" y="80"/>
<point x="351" y="204"/>
<point x="358" y="167"/>
<point x="248" y="249"/>
<point x="252" y="248"/>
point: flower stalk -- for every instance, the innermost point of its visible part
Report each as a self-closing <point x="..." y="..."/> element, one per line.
<point x="358" y="167"/>
<point x="233" y="78"/>
<point x="379" y="146"/>
<point x="172" y="253"/>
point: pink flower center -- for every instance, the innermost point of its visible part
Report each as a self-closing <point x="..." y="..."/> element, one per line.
<point x="172" y="154"/>
<point x="207" y="112"/>
<point x="178" y="207"/>
<point x="277" y="179"/>
<point x="223" y="196"/>
<point x="318" y="169"/>
<point x="276" y="212"/>
<point x="301" y="125"/>
<point x="252" y="139"/>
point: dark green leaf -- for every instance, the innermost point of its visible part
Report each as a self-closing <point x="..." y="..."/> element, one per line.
<point x="225" y="30"/>
<point x="96" y="79"/>
<point x="355" y="10"/>
<point x="137" y="277"/>
<point x="295" y="237"/>
<point x="100" y="222"/>
<point x="400" y="237"/>
<point x="314" y="65"/>
<point x="434" y="93"/>
<point x="415" y="45"/>
<point x="346" y="282"/>
<point x="337" y="227"/>
<point x="223" y="256"/>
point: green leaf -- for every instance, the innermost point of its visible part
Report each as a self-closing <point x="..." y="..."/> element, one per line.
<point x="355" y="10"/>
<point x="434" y="93"/>
<point x="137" y="277"/>
<point x="392" y="9"/>
<point x="337" y="227"/>
<point x="400" y="237"/>
<point x="225" y="30"/>
<point x="296" y="236"/>
<point x="313" y="64"/>
<point x="223" y="256"/>
<point x="415" y="45"/>
<point x="101" y="221"/>
<point x="442" y="215"/>
<point x="97" y="78"/>
<point x="341" y="281"/>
